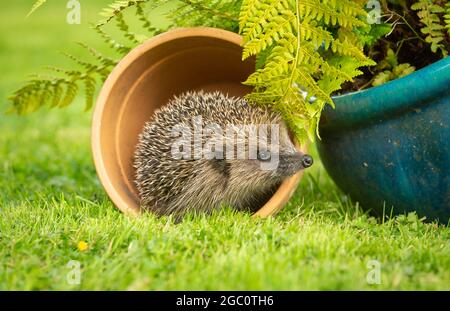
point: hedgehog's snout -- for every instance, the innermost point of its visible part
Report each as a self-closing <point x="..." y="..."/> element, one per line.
<point x="292" y="163"/>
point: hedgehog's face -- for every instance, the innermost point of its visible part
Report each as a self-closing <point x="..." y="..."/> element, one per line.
<point x="273" y="161"/>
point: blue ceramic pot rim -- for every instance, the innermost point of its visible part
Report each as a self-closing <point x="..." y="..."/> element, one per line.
<point x="390" y="99"/>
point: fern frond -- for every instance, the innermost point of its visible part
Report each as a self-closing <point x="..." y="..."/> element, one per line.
<point x="434" y="31"/>
<point x="212" y="13"/>
<point x="62" y="90"/>
<point x="447" y="18"/>
<point x="399" y="71"/>
<point x="334" y="12"/>
<point x="36" y="6"/>
<point x="38" y="91"/>
<point x="123" y="26"/>
<point x="146" y="24"/>
<point x="112" y="43"/>
<point x="88" y="66"/>
<point x="104" y="60"/>
<point x="116" y="8"/>
<point x="296" y="39"/>
<point x="89" y="87"/>
<point x="71" y="93"/>
<point x="273" y="31"/>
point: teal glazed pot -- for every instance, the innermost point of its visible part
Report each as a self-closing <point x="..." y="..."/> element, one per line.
<point x="388" y="147"/>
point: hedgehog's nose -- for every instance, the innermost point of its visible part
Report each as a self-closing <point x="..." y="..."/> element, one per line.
<point x="307" y="161"/>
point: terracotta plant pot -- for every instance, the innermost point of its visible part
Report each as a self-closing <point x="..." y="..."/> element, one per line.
<point x="166" y="65"/>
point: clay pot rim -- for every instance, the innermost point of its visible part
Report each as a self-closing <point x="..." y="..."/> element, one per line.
<point x="276" y="202"/>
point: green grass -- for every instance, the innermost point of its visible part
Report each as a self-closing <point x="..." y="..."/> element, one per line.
<point x="51" y="199"/>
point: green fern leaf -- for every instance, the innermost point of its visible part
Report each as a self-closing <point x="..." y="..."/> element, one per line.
<point x="447" y="18"/>
<point x="434" y="31"/>
<point x="89" y="85"/>
<point x="61" y="90"/>
<point x="116" y="8"/>
<point x="295" y="40"/>
<point x="36" y="6"/>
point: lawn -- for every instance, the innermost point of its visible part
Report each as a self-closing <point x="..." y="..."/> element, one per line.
<point x="51" y="200"/>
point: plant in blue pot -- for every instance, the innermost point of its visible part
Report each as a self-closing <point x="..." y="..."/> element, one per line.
<point x="384" y="137"/>
<point x="388" y="146"/>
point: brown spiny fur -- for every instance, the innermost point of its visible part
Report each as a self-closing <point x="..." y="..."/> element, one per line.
<point x="170" y="186"/>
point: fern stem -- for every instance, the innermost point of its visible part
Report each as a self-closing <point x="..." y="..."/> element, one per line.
<point x="198" y="5"/>
<point x="408" y="24"/>
<point x="400" y="45"/>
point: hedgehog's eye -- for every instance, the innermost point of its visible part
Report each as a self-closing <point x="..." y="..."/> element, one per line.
<point x="264" y="155"/>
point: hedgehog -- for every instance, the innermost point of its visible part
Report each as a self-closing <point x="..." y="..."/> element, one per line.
<point x="175" y="173"/>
